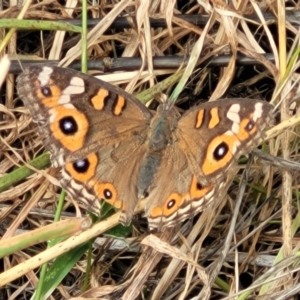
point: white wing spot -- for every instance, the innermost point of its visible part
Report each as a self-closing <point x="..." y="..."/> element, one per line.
<point x="53" y="112"/>
<point x="258" y="111"/>
<point x="233" y="115"/>
<point x="64" y="99"/>
<point x="76" y="86"/>
<point x="235" y="127"/>
<point x="44" y="76"/>
<point x="237" y="143"/>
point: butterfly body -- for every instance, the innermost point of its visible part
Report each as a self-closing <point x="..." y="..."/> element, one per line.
<point x="159" y="137"/>
<point x="112" y="147"/>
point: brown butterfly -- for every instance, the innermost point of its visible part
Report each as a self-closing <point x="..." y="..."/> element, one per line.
<point x="112" y="147"/>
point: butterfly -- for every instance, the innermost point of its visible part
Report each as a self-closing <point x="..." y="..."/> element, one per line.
<point x="112" y="147"/>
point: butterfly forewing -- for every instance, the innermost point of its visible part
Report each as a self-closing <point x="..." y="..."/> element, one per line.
<point x="77" y="113"/>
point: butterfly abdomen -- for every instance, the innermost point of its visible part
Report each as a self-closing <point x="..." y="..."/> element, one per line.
<point x="159" y="137"/>
<point x="146" y="172"/>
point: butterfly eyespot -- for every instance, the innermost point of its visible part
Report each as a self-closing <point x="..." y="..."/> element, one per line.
<point x="68" y="125"/>
<point x="46" y="91"/>
<point x="81" y="165"/>
<point x="107" y="194"/>
<point x="171" y="203"/>
<point x="220" y="151"/>
<point x="250" y="125"/>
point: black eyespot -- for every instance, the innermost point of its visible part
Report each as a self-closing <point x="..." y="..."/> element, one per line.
<point x="249" y="125"/>
<point x="199" y="186"/>
<point x="68" y="125"/>
<point x="220" y="151"/>
<point x="107" y="194"/>
<point x="171" y="203"/>
<point x="81" y="165"/>
<point x="46" y="91"/>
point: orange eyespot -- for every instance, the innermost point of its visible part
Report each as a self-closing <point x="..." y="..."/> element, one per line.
<point x="69" y="126"/>
<point x="83" y="169"/>
<point x="106" y="191"/>
<point x="198" y="191"/>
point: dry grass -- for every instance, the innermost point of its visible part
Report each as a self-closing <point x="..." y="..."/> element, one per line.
<point x="243" y="246"/>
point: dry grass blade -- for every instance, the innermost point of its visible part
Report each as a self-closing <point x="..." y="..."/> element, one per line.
<point x="147" y="263"/>
<point x="226" y="33"/>
<point x="285" y="138"/>
<point x="196" y="51"/>
<point x="96" y="32"/>
<point x="58" y="249"/>
<point x="60" y="35"/>
<point x="165" y="248"/>
<point x="4" y="66"/>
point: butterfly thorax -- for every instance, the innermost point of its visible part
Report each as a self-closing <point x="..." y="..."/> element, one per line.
<point x="159" y="137"/>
